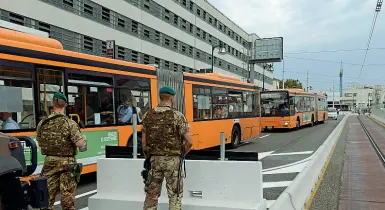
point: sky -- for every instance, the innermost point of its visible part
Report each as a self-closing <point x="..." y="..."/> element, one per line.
<point x="314" y="26"/>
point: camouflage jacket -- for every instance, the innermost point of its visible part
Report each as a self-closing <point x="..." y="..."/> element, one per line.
<point x="164" y="128"/>
<point x="58" y="136"/>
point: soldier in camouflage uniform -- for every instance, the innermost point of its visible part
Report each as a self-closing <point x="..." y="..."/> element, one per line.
<point x="165" y="138"/>
<point x="59" y="137"/>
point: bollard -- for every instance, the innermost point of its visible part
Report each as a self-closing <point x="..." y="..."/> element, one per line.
<point x="223" y="146"/>
<point x="135" y="136"/>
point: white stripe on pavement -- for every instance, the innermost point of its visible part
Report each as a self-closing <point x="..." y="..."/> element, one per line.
<point x="264" y="136"/>
<point x="276" y="184"/>
<point x="288" y="169"/>
<point x="79" y="196"/>
<point x="264" y="154"/>
<point x="292" y="153"/>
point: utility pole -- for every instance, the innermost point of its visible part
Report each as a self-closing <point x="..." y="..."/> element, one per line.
<point x="333" y="93"/>
<point x="283" y="74"/>
<point x="307" y="80"/>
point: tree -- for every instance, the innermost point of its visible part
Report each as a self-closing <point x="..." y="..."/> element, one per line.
<point x="291" y="83"/>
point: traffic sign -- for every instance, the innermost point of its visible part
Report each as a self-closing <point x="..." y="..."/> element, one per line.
<point x="110" y="49"/>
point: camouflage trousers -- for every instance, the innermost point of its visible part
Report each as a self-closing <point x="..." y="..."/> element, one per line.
<point x="60" y="178"/>
<point x="164" y="167"/>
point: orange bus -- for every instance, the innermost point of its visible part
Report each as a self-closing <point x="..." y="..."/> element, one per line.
<point x="292" y="108"/>
<point x="101" y="93"/>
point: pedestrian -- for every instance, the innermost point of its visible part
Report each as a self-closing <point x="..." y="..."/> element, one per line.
<point x="59" y="137"/>
<point x="166" y="139"/>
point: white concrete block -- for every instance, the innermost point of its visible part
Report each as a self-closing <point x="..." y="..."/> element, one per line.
<point x="223" y="185"/>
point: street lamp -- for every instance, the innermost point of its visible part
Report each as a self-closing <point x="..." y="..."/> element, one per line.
<point x="222" y="51"/>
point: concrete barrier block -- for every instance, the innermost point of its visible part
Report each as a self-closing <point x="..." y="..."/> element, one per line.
<point x="209" y="185"/>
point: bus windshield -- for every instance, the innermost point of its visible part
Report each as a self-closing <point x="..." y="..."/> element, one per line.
<point x="274" y="104"/>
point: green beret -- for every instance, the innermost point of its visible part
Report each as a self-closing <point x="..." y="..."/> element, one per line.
<point x="167" y="90"/>
<point x="60" y="96"/>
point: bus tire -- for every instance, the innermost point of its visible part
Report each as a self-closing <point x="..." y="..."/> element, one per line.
<point x="235" y="137"/>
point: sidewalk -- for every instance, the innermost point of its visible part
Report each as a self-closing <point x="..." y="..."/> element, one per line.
<point x="355" y="177"/>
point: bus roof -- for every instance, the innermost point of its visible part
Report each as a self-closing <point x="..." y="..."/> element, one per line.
<point x="28" y="45"/>
<point x="17" y="36"/>
<point x="291" y="91"/>
<point x="219" y="78"/>
<point x="43" y="48"/>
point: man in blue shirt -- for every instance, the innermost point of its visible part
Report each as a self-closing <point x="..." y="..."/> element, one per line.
<point x="125" y="112"/>
<point x="8" y="122"/>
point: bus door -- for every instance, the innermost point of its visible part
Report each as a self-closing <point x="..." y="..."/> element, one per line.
<point x="175" y="80"/>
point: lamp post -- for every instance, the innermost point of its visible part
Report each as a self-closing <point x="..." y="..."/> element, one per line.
<point x="222" y="51"/>
<point x="270" y="66"/>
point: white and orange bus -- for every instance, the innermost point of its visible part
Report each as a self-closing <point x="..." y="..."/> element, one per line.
<point x="292" y="108"/>
<point x="33" y="68"/>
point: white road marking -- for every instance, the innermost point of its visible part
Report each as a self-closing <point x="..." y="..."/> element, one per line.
<point x="84" y="208"/>
<point x="292" y="153"/>
<point x="79" y="196"/>
<point x="261" y="137"/>
<point x="276" y="184"/>
<point x="264" y="154"/>
<point x="289" y="169"/>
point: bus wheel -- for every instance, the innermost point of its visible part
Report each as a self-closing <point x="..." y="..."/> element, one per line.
<point x="235" y="137"/>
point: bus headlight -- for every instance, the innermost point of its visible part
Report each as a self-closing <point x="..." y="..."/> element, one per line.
<point x="285" y="123"/>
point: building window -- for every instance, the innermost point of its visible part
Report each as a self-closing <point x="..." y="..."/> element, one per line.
<point x="134" y="56"/>
<point x="68" y="3"/>
<point x="134" y="27"/>
<point x="105" y="14"/>
<point x="167" y="42"/>
<point x="146" y="33"/>
<point x="157" y="36"/>
<point x="121" y="22"/>
<point x="88" y="9"/>
<point x="176" y="19"/>
<point x="88" y="43"/>
<point x="146" y="59"/>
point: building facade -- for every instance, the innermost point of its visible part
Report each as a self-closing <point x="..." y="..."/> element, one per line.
<point x="358" y="97"/>
<point x="173" y="34"/>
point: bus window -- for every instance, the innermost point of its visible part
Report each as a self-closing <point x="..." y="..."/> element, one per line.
<point x="202" y="103"/>
<point x="220" y="103"/>
<point x="235" y="104"/>
<point x="91" y="98"/>
<point x="131" y="92"/>
<point x="275" y="104"/>
<point x="17" y="109"/>
<point x="49" y="81"/>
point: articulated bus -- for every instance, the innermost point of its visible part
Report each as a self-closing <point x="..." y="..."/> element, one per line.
<point x="292" y="108"/>
<point x="33" y="68"/>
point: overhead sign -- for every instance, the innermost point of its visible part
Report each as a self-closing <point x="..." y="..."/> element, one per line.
<point x="110" y="45"/>
<point x="268" y="50"/>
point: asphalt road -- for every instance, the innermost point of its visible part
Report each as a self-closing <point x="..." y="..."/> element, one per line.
<point x="283" y="155"/>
